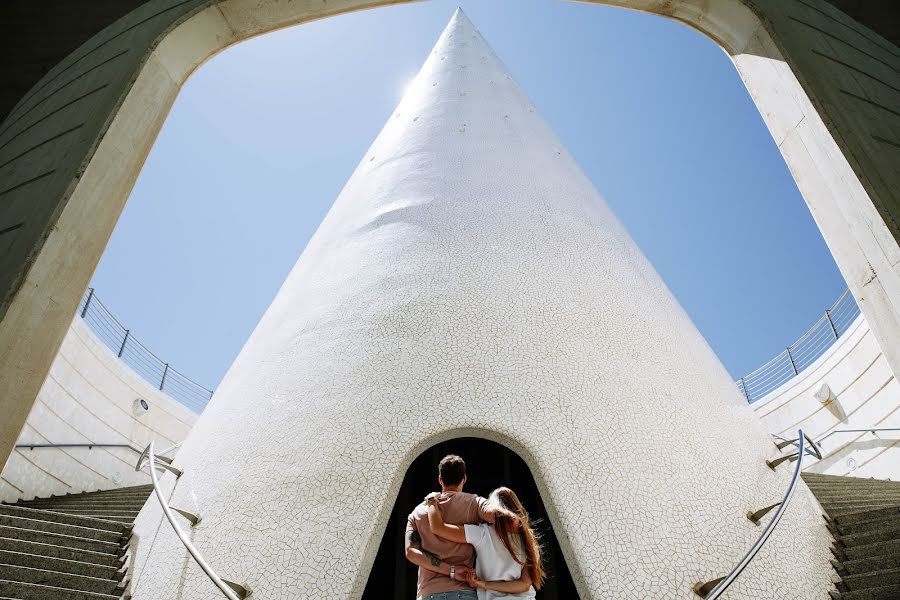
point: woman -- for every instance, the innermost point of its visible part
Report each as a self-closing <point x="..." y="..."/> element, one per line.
<point x="508" y="563"/>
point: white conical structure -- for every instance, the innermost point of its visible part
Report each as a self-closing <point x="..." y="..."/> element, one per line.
<point x="469" y="280"/>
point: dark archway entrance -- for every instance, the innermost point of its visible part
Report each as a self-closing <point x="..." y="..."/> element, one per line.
<point x="489" y="465"/>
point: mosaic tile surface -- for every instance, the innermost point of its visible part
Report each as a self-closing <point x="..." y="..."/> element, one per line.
<point x="469" y="280"/>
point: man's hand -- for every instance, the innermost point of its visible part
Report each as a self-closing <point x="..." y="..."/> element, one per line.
<point x="516" y="523"/>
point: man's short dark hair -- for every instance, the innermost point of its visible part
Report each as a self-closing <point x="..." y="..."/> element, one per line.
<point x="452" y="470"/>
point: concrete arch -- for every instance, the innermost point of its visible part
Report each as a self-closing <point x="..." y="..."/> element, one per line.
<point x="72" y="148"/>
<point x="517" y="445"/>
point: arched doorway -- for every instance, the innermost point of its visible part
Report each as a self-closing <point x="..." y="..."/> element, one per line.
<point x="489" y="465"/>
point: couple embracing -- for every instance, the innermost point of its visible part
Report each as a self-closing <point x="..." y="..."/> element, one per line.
<point x="444" y="532"/>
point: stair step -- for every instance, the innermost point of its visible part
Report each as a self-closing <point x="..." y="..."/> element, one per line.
<point x="71" y="541"/>
<point x="851" y="509"/>
<point x="98" y="497"/>
<point x="841" y="480"/>
<point x="60" y="528"/>
<point x="865" y="516"/>
<point x="888" y="531"/>
<point x="893" y="500"/>
<point x="60" y="565"/>
<point x="67" y="581"/>
<point x="869" y="550"/>
<point x="58" y="517"/>
<point x="852" y="482"/>
<point x="857" y="495"/>
<point x="85" y="502"/>
<point x="890" y="592"/>
<point x="874" y="579"/>
<point x="866" y="565"/>
<point x="123" y="520"/>
<point x="134" y="489"/>
<point x="64" y="552"/>
<point x="864" y="526"/>
<point x="75" y="512"/>
<point x="31" y="591"/>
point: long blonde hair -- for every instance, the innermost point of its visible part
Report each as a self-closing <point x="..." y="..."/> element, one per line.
<point x="529" y="541"/>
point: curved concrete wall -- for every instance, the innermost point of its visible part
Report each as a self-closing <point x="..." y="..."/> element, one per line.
<point x="866" y="394"/>
<point x="88" y="398"/>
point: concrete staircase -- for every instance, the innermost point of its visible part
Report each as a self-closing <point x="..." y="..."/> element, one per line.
<point x="864" y="517"/>
<point x="69" y="547"/>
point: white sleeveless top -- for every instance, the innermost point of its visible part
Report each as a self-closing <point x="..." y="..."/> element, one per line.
<point x="494" y="562"/>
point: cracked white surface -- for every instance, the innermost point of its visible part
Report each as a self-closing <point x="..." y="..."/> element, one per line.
<point x="469" y="280"/>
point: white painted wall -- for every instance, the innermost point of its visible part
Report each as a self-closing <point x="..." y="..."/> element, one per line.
<point x="866" y="395"/>
<point x="88" y="397"/>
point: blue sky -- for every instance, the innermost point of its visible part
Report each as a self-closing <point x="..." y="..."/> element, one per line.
<point x="263" y="137"/>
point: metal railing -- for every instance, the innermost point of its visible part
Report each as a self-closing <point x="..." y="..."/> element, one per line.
<point x="231" y="590"/>
<point x="711" y="590"/>
<point x="802" y="353"/>
<point x="869" y="430"/>
<point x="141" y="360"/>
<point x="91" y="446"/>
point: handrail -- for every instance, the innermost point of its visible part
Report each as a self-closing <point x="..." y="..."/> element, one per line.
<point x="718" y="586"/>
<point x="231" y="590"/>
<point x="159" y="457"/>
<point x="138" y="357"/>
<point x="869" y="430"/>
<point x="803" y="352"/>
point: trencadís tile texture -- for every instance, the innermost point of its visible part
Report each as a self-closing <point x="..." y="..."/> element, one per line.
<point x="470" y="281"/>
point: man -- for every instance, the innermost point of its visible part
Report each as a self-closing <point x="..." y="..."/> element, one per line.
<point x="443" y="565"/>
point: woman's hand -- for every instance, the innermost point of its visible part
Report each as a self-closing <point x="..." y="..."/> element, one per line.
<point x="473" y="581"/>
<point x="432" y="499"/>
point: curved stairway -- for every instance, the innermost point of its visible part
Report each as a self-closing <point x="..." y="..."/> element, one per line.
<point x="69" y="547"/>
<point x="864" y="517"/>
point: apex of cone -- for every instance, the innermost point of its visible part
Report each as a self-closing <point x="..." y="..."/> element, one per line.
<point x="460" y="18"/>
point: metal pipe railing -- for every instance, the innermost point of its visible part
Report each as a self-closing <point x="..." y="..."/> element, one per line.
<point x="803" y="352"/>
<point x="870" y="430"/>
<point x="711" y="590"/>
<point x="89" y="446"/>
<point x="138" y="357"/>
<point x="231" y="590"/>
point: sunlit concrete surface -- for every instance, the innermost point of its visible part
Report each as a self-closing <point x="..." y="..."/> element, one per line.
<point x="89" y="397"/>
<point x="864" y="393"/>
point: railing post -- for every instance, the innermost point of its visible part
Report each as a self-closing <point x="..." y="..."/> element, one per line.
<point x="791" y="358"/>
<point x="165" y="372"/>
<point x="87" y="302"/>
<point x="743" y="387"/>
<point x="830" y="322"/>
<point x="125" y="339"/>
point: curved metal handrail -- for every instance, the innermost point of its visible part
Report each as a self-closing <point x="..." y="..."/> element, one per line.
<point x="712" y="590"/>
<point x="157" y="372"/>
<point x="803" y="352"/>
<point x="869" y="430"/>
<point x="89" y="446"/>
<point x="231" y="590"/>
